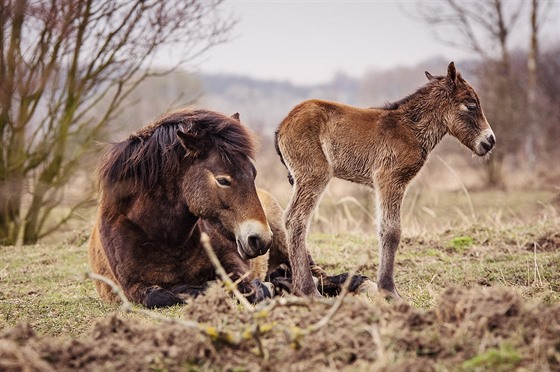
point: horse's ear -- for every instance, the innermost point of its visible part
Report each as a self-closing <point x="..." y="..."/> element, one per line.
<point x="190" y="144"/>
<point x="429" y="76"/>
<point x="236" y="116"/>
<point x="452" y="73"/>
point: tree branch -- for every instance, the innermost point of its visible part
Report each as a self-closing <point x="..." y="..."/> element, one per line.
<point x="229" y="284"/>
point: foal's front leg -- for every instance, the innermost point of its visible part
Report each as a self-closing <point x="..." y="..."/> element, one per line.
<point x="389" y="196"/>
<point x="297" y="219"/>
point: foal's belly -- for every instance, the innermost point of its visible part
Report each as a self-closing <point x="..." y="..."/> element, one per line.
<point x="352" y="167"/>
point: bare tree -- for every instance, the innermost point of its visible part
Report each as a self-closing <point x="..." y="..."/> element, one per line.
<point x="538" y="15"/>
<point x="548" y="104"/>
<point x="59" y="61"/>
<point x="484" y="27"/>
<point x="532" y="76"/>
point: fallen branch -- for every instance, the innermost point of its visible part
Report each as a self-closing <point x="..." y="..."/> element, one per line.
<point x="338" y="303"/>
<point x="229" y="284"/>
<point x="334" y="308"/>
<point x="128" y="307"/>
<point x="259" y="312"/>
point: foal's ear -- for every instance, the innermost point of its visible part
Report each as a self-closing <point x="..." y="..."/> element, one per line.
<point x="190" y="143"/>
<point x="236" y="116"/>
<point x="452" y="73"/>
<point x="429" y="76"/>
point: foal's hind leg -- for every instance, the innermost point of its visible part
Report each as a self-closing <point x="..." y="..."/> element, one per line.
<point x="306" y="194"/>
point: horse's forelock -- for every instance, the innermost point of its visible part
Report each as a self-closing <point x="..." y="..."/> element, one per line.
<point x="235" y="141"/>
<point x="155" y="149"/>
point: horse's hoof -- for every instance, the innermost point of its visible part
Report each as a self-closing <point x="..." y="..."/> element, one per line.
<point x="367" y="287"/>
<point x="270" y="287"/>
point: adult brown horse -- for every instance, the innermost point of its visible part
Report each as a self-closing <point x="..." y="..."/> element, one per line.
<point x="187" y="173"/>
<point x="381" y="148"/>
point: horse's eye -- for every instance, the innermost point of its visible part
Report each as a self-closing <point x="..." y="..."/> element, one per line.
<point x="471" y="106"/>
<point x="223" y="181"/>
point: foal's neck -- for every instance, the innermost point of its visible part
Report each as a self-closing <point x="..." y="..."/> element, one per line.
<point x="425" y="113"/>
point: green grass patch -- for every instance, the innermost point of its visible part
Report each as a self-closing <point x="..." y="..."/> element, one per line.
<point x="504" y="358"/>
<point x="460" y="243"/>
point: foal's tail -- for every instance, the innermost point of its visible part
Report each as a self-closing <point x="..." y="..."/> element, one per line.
<point x="290" y="178"/>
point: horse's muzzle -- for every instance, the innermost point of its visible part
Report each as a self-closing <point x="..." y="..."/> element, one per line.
<point x="254" y="239"/>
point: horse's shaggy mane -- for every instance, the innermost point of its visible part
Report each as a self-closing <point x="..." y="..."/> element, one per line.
<point x="155" y="150"/>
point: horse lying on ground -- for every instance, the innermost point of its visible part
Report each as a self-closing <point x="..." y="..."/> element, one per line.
<point x="383" y="148"/>
<point x="187" y="173"/>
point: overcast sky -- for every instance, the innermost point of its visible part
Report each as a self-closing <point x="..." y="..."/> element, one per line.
<point x="309" y="41"/>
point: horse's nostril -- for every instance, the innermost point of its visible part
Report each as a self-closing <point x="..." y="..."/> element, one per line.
<point x="486" y="146"/>
<point x="255" y="243"/>
<point x="492" y="140"/>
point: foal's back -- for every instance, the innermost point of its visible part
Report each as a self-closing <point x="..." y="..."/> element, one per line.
<point x="345" y="141"/>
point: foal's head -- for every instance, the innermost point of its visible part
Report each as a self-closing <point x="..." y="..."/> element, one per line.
<point x="218" y="182"/>
<point x="464" y="117"/>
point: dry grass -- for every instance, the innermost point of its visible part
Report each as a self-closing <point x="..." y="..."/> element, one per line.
<point x="476" y="288"/>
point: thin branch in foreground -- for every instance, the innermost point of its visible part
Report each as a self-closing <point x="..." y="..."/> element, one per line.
<point x="230" y="285"/>
<point x="128" y="307"/>
<point x="334" y="308"/>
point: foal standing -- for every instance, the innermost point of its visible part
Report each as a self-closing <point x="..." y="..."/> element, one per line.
<point x="381" y="148"/>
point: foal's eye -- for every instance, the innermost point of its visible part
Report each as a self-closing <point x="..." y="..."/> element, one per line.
<point x="471" y="106"/>
<point x="223" y="181"/>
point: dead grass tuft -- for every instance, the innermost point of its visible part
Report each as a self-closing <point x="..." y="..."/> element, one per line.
<point x="476" y="329"/>
<point x="547" y="242"/>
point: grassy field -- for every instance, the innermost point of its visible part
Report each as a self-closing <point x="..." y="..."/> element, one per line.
<point x="477" y="241"/>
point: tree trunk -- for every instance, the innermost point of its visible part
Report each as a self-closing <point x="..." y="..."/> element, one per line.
<point x="494" y="175"/>
<point x="530" y="146"/>
<point x="12" y="134"/>
<point x="504" y="100"/>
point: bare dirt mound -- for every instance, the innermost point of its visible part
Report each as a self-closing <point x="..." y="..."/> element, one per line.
<point x="476" y="329"/>
<point x="547" y="242"/>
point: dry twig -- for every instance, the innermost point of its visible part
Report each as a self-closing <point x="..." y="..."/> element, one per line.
<point x="230" y="285"/>
<point x="128" y="307"/>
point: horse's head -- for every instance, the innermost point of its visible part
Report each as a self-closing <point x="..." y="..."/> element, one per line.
<point x="464" y="118"/>
<point x="218" y="184"/>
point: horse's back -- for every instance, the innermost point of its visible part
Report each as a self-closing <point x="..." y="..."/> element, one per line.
<point x="100" y="265"/>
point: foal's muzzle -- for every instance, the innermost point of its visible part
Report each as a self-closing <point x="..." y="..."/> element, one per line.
<point x="254" y="239"/>
<point x="485" y="142"/>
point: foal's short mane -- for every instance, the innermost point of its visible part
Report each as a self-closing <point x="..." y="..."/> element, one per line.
<point x="423" y="90"/>
<point x="155" y="150"/>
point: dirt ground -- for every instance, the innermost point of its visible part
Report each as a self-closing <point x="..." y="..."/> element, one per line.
<point x="469" y="329"/>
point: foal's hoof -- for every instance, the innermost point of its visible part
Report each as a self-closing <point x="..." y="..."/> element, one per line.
<point x="309" y="291"/>
<point x="391" y="296"/>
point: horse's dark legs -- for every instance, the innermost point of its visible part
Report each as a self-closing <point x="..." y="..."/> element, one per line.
<point x="327" y="285"/>
<point x="255" y="290"/>
<point x="159" y="297"/>
<point x="388" y="201"/>
<point x="332" y="285"/>
<point x="156" y="296"/>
